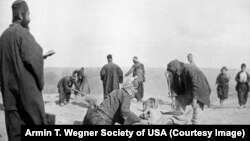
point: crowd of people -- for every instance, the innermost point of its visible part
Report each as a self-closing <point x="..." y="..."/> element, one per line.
<point x="22" y="82"/>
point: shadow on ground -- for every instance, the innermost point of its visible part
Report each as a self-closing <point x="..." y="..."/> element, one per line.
<point x="80" y="104"/>
<point x="57" y="102"/>
<point x="223" y="107"/>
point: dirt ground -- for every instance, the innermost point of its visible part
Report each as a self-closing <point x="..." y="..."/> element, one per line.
<point x="76" y="110"/>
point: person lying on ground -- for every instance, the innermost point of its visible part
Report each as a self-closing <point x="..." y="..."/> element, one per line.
<point x="152" y="115"/>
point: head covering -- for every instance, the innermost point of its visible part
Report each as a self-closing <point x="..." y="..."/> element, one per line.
<point x="150" y="103"/>
<point x="175" y="67"/>
<point x="224" y="68"/>
<point x="135" y="58"/>
<point x="243" y="65"/>
<point x="19" y="7"/>
<point x="109" y="56"/>
<point x="190" y="54"/>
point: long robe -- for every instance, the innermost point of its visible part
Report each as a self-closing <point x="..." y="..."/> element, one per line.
<point x="21" y="74"/>
<point x="222" y="86"/>
<point x="111" y="75"/>
<point x="114" y="109"/>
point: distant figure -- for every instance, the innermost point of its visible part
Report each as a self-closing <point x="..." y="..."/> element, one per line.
<point x="115" y="108"/>
<point x="111" y="75"/>
<point x="242" y="78"/>
<point x="21" y="74"/>
<point x="81" y="84"/>
<point x="64" y="89"/>
<point x="222" y="85"/>
<point x="190" y="59"/>
<point x="190" y="87"/>
<point x="138" y="70"/>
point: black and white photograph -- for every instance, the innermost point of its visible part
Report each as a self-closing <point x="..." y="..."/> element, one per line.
<point x="123" y="62"/>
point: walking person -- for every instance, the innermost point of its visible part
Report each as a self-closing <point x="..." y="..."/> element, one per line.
<point x="242" y="87"/>
<point x="222" y="83"/>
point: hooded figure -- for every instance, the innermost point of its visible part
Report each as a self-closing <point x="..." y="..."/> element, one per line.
<point x="189" y="86"/>
<point x="115" y="108"/>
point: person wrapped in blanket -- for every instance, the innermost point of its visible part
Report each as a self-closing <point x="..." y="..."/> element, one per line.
<point x="115" y="108"/>
<point x="154" y="116"/>
<point x="189" y="86"/>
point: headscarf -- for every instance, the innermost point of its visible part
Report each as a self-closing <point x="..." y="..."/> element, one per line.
<point x="224" y="68"/>
<point x="175" y="67"/>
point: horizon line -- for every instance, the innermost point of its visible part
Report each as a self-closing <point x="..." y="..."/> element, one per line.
<point x="130" y="67"/>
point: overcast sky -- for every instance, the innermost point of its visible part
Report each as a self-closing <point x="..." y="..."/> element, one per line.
<point x="83" y="32"/>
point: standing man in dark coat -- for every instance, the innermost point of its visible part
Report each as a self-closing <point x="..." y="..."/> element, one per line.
<point x="138" y="70"/>
<point x="115" y="108"/>
<point x="242" y="78"/>
<point x="21" y="74"/>
<point x="190" y="87"/>
<point x="64" y="89"/>
<point x="111" y="75"/>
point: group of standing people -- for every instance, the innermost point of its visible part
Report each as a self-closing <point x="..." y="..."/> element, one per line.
<point x="242" y="87"/>
<point x="112" y="75"/>
<point x="115" y="107"/>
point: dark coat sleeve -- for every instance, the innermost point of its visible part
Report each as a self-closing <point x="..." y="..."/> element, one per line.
<point x="102" y="74"/>
<point x="66" y="86"/>
<point x="237" y="78"/>
<point x="130" y="70"/>
<point x="143" y="71"/>
<point x="217" y="79"/>
<point x="74" y="72"/>
<point x="128" y="115"/>
<point x="120" y="74"/>
<point x="248" y="78"/>
<point x="32" y="57"/>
